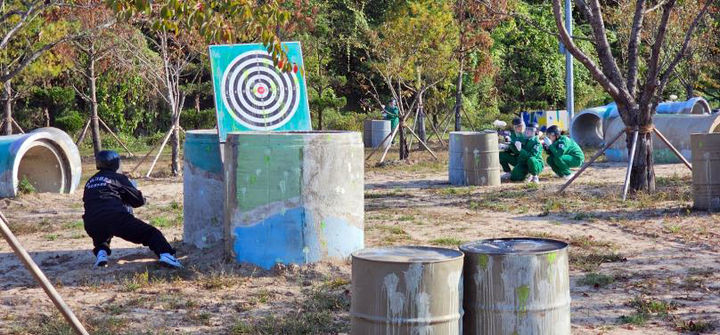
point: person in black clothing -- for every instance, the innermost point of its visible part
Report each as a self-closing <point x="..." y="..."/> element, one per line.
<point x="109" y="198"/>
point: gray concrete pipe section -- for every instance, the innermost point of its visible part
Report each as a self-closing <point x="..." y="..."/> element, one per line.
<point x="474" y="158"/>
<point x="47" y="157"/>
<point x="375" y="131"/>
<point x="676" y="128"/>
<point x="406" y="290"/>
<point x="706" y="171"/>
<point x="203" y="189"/>
<point x="588" y="128"/>
<point x="516" y="286"/>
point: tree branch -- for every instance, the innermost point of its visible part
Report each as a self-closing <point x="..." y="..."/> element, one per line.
<point x="632" y="65"/>
<point x="602" y="46"/>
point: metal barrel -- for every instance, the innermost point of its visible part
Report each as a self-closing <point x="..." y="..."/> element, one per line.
<point x="474" y="158"/>
<point x="203" y="189"/>
<point x="293" y="197"/>
<point x="406" y="290"/>
<point x="516" y="286"/>
<point x="47" y="157"/>
<point x="676" y="128"/>
<point x="374" y="132"/>
<point x="706" y="171"/>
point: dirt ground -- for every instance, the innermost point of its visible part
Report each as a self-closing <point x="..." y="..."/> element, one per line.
<point x="645" y="266"/>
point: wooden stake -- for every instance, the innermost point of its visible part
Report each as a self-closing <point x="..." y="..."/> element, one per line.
<point x="672" y="148"/>
<point x="115" y="136"/>
<point x="18" y="126"/>
<point x="392" y="138"/>
<point x="83" y="132"/>
<point x="145" y="157"/>
<point x="40" y="277"/>
<point x="379" y="146"/>
<point x="591" y="161"/>
<point x="162" y="146"/>
<point x="437" y="134"/>
<point x="631" y="159"/>
<point x="423" y="143"/>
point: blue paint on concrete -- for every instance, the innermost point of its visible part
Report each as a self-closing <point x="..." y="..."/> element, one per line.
<point x="203" y="152"/>
<point x="342" y="238"/>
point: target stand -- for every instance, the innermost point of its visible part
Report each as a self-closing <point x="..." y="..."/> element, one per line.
<point x="252" y="94"/>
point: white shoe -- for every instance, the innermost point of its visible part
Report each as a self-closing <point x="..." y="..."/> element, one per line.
<point x="533" y="179"/>
<point x="505" y="176"/>
<point x="101" y="260"/>
<point x="169" y="260"/>
<point x="568" y="177"/>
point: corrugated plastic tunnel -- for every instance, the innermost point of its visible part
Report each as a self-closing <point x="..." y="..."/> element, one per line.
<point x="47" y="157"/>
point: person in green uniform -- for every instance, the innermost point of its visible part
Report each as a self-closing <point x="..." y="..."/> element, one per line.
<point x="530" y="157"/>
<point x="392" y="113"/>
<point x="509" y="156"/>
<point x="563" y="152"/>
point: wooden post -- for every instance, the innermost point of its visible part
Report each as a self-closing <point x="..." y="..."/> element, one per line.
<point x="591" y="161"/>
<point x="672" y="148"/>
<point x="18" y="126"/>
<point x="145" y="157"/>
<point x="631" y="159"/>
<point x="40" y="277"/>
<point x="423" y="143"/>
<point x="381" y="145"/>
<point x="83" y="132"/>
<point x="392" y="138"/>
<point x="437" y="134"/>
<point x="162" y="146"/>
<point x="115" y="136"/>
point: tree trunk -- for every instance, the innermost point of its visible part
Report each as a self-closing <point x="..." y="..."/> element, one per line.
<point x="642" y="172"/>
<point x="7" y="97"/>
<point x="421" y="120"/>
<point x="46" y="113"/>
<point x="320" y="123"/>
<point x="404" y="154"/>
<point x="175" y="144"/>
<point x="94" y="121"/>
<point x="458" y="95"/>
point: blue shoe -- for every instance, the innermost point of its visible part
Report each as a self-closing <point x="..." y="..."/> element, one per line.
<point x="102" y="259"/>
<point x="170" y="261"/>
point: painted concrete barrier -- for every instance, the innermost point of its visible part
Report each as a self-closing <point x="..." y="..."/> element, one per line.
<point x="293" y="197"/>
<point x="516" y="286"/>
<point x="676" y="128"/>
<point x="203" y="189"/>
<point x="706" y="171"/>
<point x="474" y="158"/>
<point x="47" y="157"/>
<point x="375" y="131"/>
<point x="407" y="290"/>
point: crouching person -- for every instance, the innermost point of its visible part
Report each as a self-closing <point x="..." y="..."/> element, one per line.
<point x="530" y="158"/>
<point x="109" y="198"/>
<point x="563" y="152"/>
<point x="509" y="156"/>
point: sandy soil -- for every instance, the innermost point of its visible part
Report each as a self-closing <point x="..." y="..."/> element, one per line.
<point x="662" y="251"/>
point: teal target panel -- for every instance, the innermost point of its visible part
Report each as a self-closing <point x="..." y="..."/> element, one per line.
<point x="252" y="94"/>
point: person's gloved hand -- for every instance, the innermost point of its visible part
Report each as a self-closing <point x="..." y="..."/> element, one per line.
<point x="518" y="145"/>
<point x="507" y="139"/>
<point x="547" y="141"/>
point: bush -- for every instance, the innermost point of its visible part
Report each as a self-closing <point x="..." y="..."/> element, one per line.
<point x="25" y="186"/>
<point x="335" y="120"/>
<point x="70" y="121"/>
<point x="192" y="119"/>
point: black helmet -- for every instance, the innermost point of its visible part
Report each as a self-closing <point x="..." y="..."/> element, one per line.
<point x="533" y="125"/>
<point x="107" y="160"/>
<point x="553" y="130"/>
<point x="517" y="121"/>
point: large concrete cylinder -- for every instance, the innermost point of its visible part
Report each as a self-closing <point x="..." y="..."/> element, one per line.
<point x="47" y="157"/>
<point x="375" y="131"/>
<point x="516" y="286"/>
<point x="474" y="158"/>
<point x="676" y="128"/>
<point x="406" y="290"/>
<point x="203" y="189"/>
<point x="293" y="197"/>
<point x="706" y="171"/>
<point x="586" y="127"/>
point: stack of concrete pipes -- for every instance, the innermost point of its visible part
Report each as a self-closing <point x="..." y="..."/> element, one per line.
<point x="592" y="127"/>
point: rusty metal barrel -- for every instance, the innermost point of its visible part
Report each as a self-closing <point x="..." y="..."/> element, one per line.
<point x="706" y="171"/>
<point x="516" y="286"/>
<point x="407" y="290"/>
<point x="374" y="132"/>
<point x="474" y="158"/>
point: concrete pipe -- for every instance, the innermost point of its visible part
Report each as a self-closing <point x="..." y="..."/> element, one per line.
<point x="203" y="189"/>
<point x="293" y="197"/>
<point x="676" y="128"/>
<point x="47" y="157"/>
<point x="587" y="127"/>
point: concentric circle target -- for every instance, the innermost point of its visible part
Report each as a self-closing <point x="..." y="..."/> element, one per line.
<point x="257" y="93"/>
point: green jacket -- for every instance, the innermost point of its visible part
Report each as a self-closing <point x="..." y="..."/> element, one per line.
<point x="531" y="148"/>
<point x="391" y="112"/>
<point x="565" y="146"/>
<point x="514" y="137"/>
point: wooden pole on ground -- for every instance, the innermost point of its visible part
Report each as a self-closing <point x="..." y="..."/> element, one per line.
<point x="380" y="145"/>
<point x="40" y="277"/>
<point x="162" y="146"/>
<point x="115" y="136"/>
<point x="18" y="126"/>
<point x="437" y="134"/>
<point x="392" y="138"/>
<point x="591" y="161"/>
<point x="672" y="148"/>
<point x="83" y="132"/>
<point x="631" y="159"/>
<point x="145" y="157"/>
<point x="423" y="143"/>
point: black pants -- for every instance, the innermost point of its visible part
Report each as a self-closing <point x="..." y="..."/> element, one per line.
<point x="126" y="227"/>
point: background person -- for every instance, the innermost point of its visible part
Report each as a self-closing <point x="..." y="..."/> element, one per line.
<point x="529" y="160"/>
<point x="509" y="157"/>
<point x="563" y="152"/>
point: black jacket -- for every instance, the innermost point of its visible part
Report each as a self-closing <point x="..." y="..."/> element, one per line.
<point x="108" y="194"/>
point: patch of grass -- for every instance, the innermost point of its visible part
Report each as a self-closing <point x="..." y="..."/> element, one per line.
<point x="25" y="186"/>
<point x="447" y="241"/>
<point x="455" y="191"/>
<point x="591" y="261"/>
<point x="164" y="222"/>
<point x="201" y="317"/>
<point x="218" y="280"/>
<point x="176" y="206"/>
<point x="136" y="281"/>
<point x="51" y="237"/>
<point x="674" y="228"/>
<point x="583" y="216"/>
<point x="596" y="280"/>
<point x="406" y="218"/>
<point x="75" y="225"/>
<point x="637" y="319"/>
<point x="694" y="327"/>
<point x="645" y="309"/>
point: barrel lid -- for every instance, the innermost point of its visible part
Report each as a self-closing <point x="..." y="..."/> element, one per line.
<point x="466" y="133"/>
<point x="515" y="245"/>
<point x="407" y="254"/>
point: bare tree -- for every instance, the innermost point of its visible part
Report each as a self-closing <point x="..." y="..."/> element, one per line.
<point x="637" y="98"/>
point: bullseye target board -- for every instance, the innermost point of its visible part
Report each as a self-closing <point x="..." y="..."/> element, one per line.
<point x="252" y="94"/>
